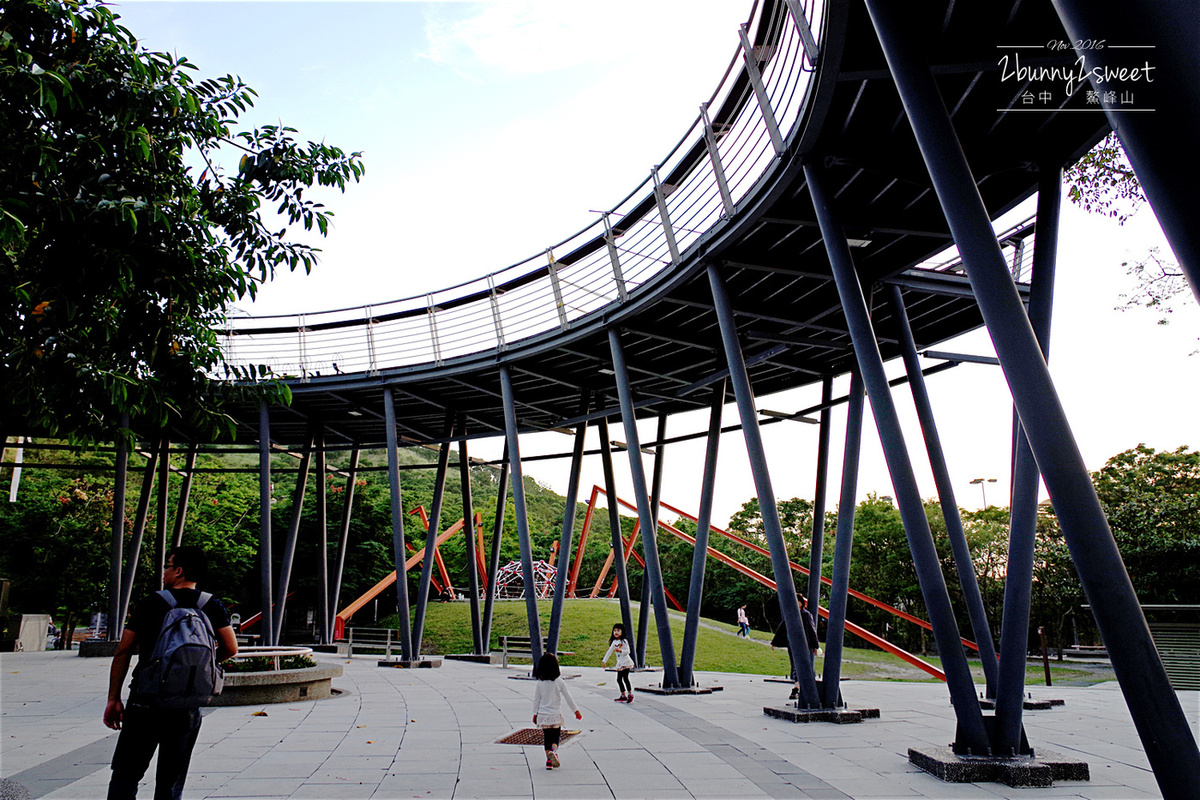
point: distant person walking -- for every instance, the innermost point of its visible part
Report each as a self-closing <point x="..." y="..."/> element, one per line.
<point x="743" y="623"/>
<point x="550" y="690"/>
<point x="810" y="634"/>
<point x="622" y="648"/>
<point x="168" y="687"/>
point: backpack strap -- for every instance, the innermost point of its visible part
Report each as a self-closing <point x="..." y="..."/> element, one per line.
<point x="166" y="595"/>
<point x="204" y="598"/>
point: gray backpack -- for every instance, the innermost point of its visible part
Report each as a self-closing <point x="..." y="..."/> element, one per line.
<point x="183" y="671"/>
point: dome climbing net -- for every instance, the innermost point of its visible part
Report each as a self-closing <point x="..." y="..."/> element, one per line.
<point x="510" y="583"/>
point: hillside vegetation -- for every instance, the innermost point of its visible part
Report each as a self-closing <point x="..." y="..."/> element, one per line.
<point x="587" y="624"/>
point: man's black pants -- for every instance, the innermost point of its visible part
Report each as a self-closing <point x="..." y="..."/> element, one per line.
<point x="172" y="732"/>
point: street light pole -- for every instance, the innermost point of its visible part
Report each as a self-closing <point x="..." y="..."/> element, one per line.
<point x="983" y="487"/>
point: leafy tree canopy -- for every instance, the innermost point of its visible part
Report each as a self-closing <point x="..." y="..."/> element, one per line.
<point x="122" y="239"/>
<point x="1152" y="500"/>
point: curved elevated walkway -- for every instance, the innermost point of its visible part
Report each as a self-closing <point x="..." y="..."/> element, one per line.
<point x="548" y="317"/>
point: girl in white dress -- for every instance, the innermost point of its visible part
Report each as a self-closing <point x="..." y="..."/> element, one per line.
<point x="550" y="690"/>
<point x="622" y="648"/>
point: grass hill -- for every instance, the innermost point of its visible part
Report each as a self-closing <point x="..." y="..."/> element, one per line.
<point x="587" y="624"/>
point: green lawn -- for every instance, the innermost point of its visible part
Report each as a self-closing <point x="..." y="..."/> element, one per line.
<point x="587" y="624"/>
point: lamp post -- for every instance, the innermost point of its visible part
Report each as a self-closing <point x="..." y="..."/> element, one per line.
<point x="983" y="482"/>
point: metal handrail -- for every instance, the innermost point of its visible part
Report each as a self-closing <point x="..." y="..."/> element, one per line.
<point x="653" y="228"/>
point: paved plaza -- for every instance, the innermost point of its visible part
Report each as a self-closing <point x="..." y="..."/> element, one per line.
<point x="431" y="733"/>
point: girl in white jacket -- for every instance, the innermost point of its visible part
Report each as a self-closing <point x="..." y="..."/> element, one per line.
<point x="550" y="689"/>
<point x="623" y="649"/>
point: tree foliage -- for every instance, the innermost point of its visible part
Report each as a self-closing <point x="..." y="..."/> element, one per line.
<point x="123" y="240"/>
<point x="1152" y="500"/>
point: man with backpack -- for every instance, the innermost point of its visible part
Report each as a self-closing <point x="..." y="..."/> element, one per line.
<point x="180" y="635"/>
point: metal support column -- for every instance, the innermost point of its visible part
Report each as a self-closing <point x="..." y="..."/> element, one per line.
<point x="568" y="529"/>
<point x="518" y="482"/>
<point x="1022" y="536"/>
<point x="643" y="631"/>
<point x="614" y="524"/>
<point x="468" y="509"/>
<point x="843" y="545"/>
<point x="324" y="631"/>
<point x="266" y="622"/>
<point x="494" y="556"/>
<point x="945" y="489"/>
<point x="335" y="588"/>
<point x="398" y="554"/>
<point x="116" y="553"/>
<point x="1153" y="704"/>
<point x="971" y="737"/>
<point x="139" y="530"/>
<point x="160" y="516"/>
<point x="744" y="395"/>
<point x="818" y="523"/>
<point x="435" y="525"/>
<point x="185" y="495"/>
<point x="293" y="535"/>
<point x="691" y="625"/>
<point x="645" y="516"/>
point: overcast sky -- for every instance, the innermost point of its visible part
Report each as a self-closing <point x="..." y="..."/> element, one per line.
<point x="492" y="130"/>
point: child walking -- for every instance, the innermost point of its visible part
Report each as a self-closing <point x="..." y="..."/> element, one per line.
<point x="623" y="649"/>
<point x="551" y="688"/>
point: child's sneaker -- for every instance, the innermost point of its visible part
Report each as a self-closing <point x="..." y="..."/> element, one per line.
<point x="552" y="761"/>
<point x="549" y="764"/>
<point x="629" y="698"/>
<point x="620" y="699"/>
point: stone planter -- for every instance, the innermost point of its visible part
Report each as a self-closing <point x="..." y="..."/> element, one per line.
<point x="282" y="686"/>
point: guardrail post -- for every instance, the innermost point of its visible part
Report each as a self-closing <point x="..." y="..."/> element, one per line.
<point x="618" y="277"/>
<point x="760" y="91"/>
<point x="372" y="361"/>
<point x="661" y="198"/>
<point x="559" y="305"/>
<point x="303" y="344"/>
<point x="433" y="334"/>
<point x="714" y="155"/>
<point x="494" y="298"/>
<point x="806" y="34"/>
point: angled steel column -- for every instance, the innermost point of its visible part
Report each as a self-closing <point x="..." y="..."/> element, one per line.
<point x="643" y="631"/>
<point x="185" y="495"/>
<point x="335" y="589"/>
<point x="843" y="545"/>
<point x="744" y="395"/>
<point x="818" y="525"/>
<point x="1022" y="536"/>
<point x="1153" y="704"/>
<point x="468" y="507"/>
<point x="116" y="553"/>
<point x="518" y="482"/>
<point x="398" y="554"/>
<point x="293" y="535"/>
<point x="435" y="524"/>
<point x="1161" y="146"/>
<point x="645" y="516"/>
<point x="494" y="557"/>
<point x="945" y="489"/>
<point x="160" y="516"/>
<point x="971" y="736"/>
<point x="139" y="530"/>
<point x="324" y="630"/>
<point x="614" y="525"/>
<point x="691" y="625"/>
<point x="266" y="568"/>
<point x="568" y="529"/>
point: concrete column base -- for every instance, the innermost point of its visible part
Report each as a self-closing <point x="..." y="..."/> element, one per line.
<point x="1040" y="770"/>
